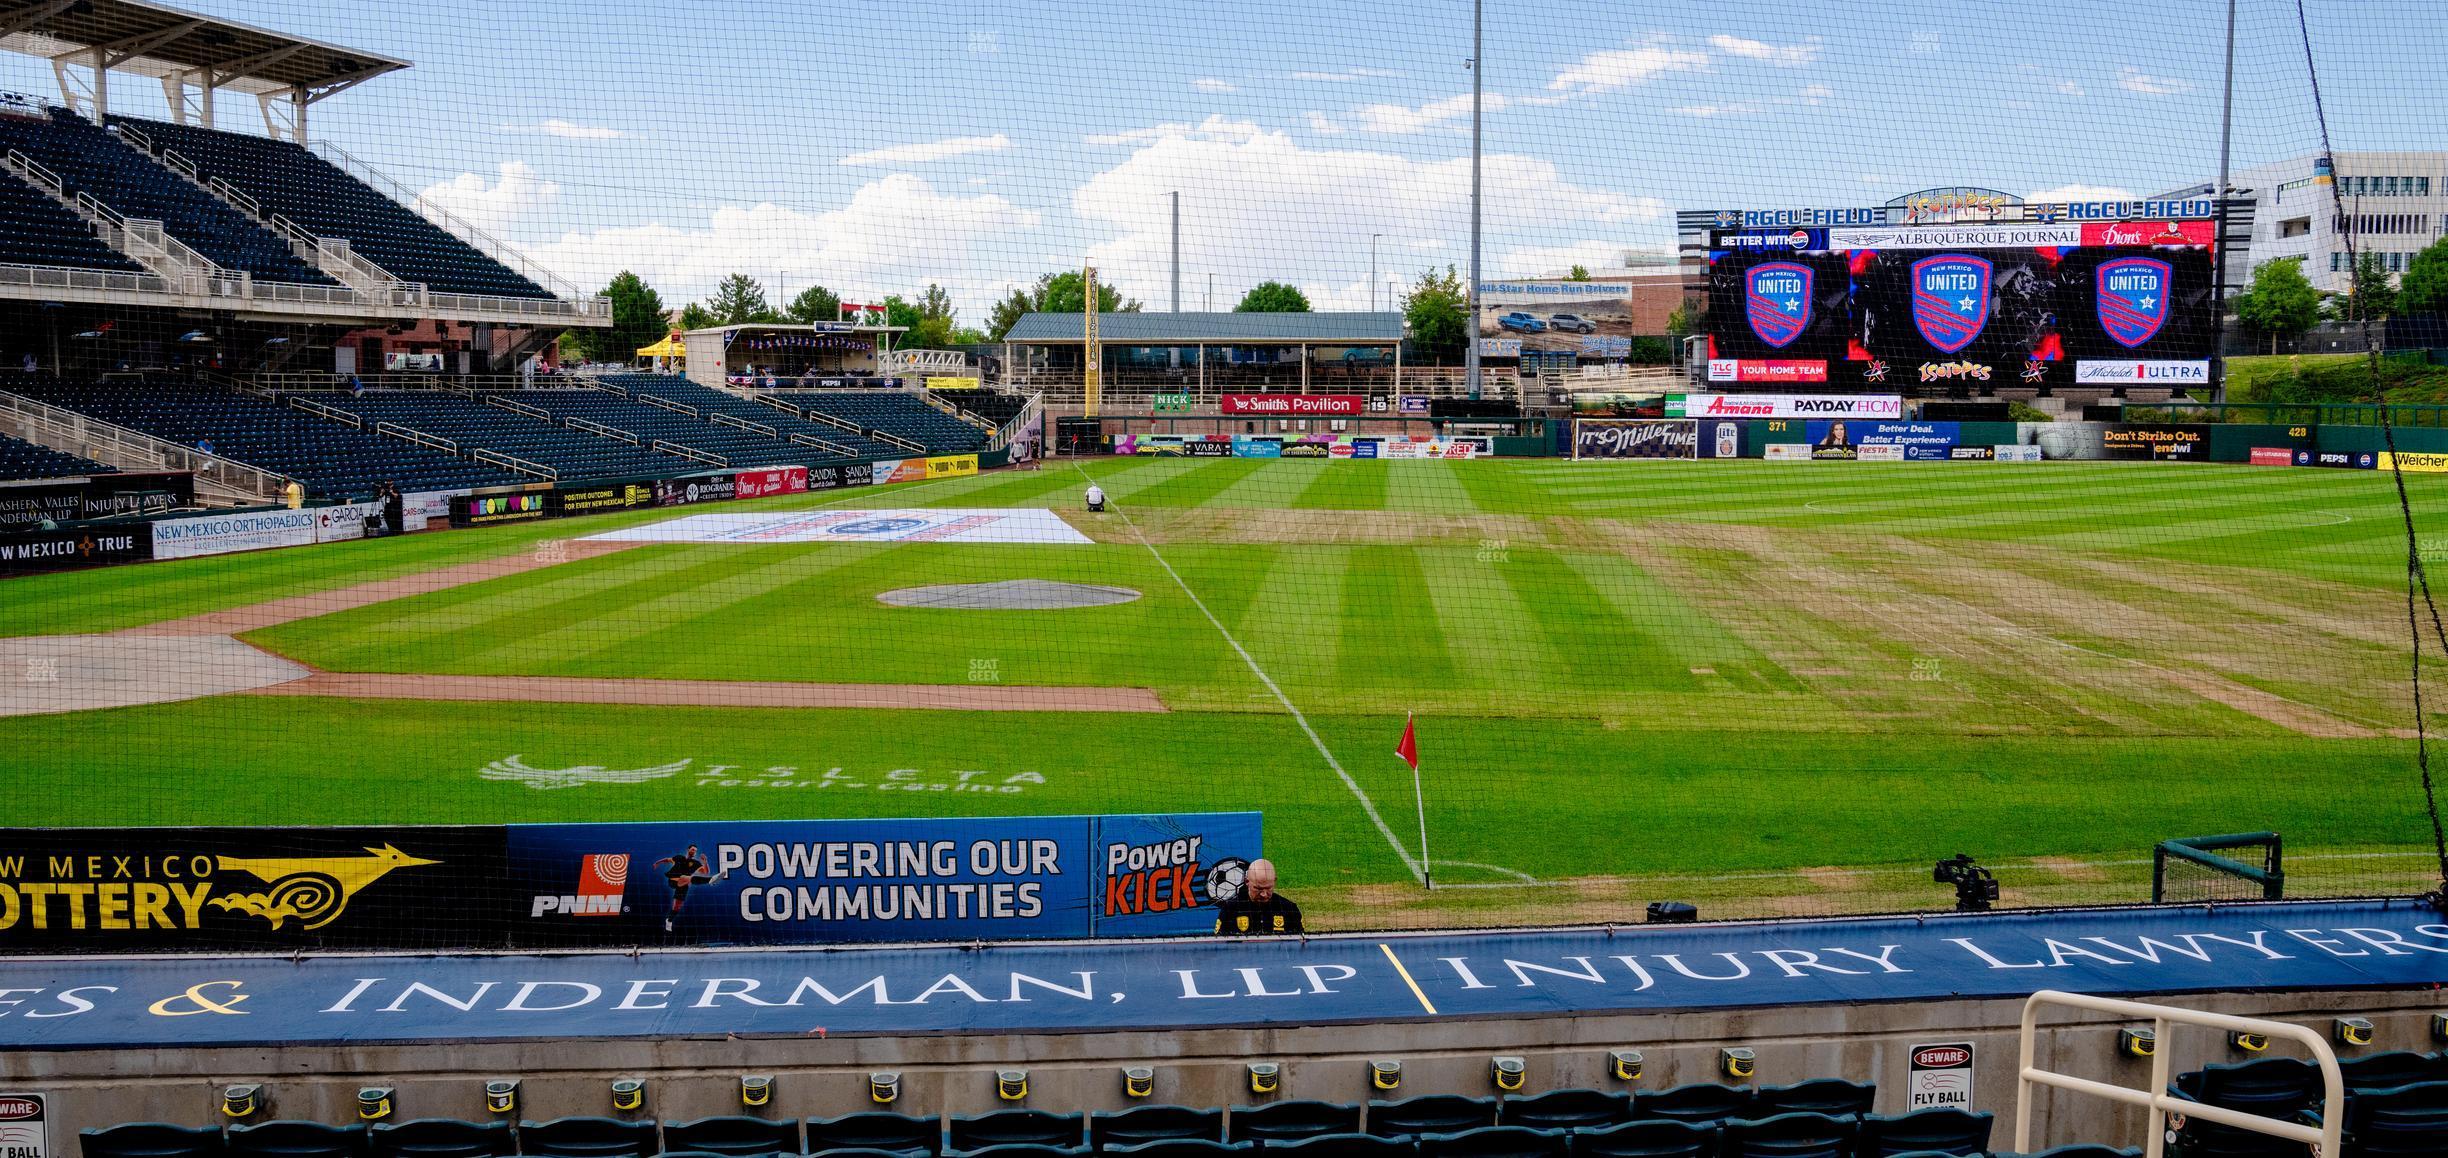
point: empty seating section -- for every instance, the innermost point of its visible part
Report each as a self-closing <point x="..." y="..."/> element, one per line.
<point x="20" y="460"/>
<point x="711" y="401"/>
<point x="36" y="230"/>
<point x="2396" y="1104"/>
<point x="992" y="405"/>
<point x="894" y="412"/>
<point x="328" y="458"/>
<point x="575" y="454"/>
<point x="326" y="201"/>
<point x="100" y="165"/>
<point x="649" y="422"/>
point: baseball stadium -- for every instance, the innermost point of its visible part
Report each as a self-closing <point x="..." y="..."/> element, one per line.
<point x="594" y="582"/>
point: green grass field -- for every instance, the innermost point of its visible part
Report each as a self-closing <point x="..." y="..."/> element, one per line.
<point x="1773" y="687"/>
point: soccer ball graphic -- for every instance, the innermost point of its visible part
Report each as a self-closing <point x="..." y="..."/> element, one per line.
<point x="1225" y="879"/>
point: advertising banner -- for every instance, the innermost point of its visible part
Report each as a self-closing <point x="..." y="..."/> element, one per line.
<point x="2155" y="441"/>
<point x="1412" y="404"/>
<point x="1435" y="448"/>
<point x="678" y="492"/>
<point x="2411" y="462"/>
<point x="1217" y="982"/>
<point x="1295" y="405"/>
<point x="1208" y="446"/>
<point x="2009" y="452"/>
<point x="1636" y="438"/>
<point x="780" y="480"/>
<point x="955" y="383"/>
<point x="487" y="510"/>
<point x="604" y="497"/>
<point x="1770" y="371"/>
<point x="951" y="465"/>
<point x="2285" y="456"/>
<point x="420" y="509"/>
<point x="1915" y="441"/>
<point x="220" y="534"/>
<point x="1879" y="452"/>
<point x="1721" y="437"/>
<point x="2145" y="373"/>
<point x="26" y="506"/>
<point x="818" y="881"/>
<point x="2339" y="459"/>
<point x="1889" y="406"/>
<point x="58" y="550"/>
<point x="1786" y="452"/>
<point x="1246" y="446"/>
<point x="1500" y="347"/>
<point x="342" y="522"/>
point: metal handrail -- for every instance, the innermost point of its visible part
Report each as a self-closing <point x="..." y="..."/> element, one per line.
<point x="412" y="434"/>
<point x="667" y="404"/>
<point x="890" y="439"/>
<point x="2156" y="1099"/>
<point x="599" y="429"/>
<point x="513" y="462"/>
<point x="518" y="407"/>
<point x="707" y="457"/>
<point x="824" y="445"/>
<point x="720" y="418"/>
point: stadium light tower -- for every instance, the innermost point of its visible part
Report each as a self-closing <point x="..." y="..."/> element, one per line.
<point x="2218" y="207"/>
<point x="1470" y="329"/>
<point x="1373" y="269"/>
<point x="1176" y="195"/>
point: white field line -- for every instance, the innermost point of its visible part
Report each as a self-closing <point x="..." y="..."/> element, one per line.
<point x="1691" y="878"/>
<point x="1366" y="805"/>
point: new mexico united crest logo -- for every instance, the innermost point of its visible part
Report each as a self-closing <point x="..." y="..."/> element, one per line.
<point x="1950" y="296"/>
<point x="2133" y="298"/>
<point x="1777" y="301"/>
<point x="312" y="890"/>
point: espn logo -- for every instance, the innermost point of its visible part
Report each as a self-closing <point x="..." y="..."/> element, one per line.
<point x="603" y="880"/>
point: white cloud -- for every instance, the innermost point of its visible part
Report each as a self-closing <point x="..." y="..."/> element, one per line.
<point x="2080" y="192"/>
<point x="1343" y="77"/>
<point x="1781" y="54"/>
<point x="1214" y="128"/>
<point x="1736" y="109"/>
<point x="1322" y="124"/>
<point x="1556" y="260"/>
<point x="1816" y="94"/>
<point x="1213" y="84"/>
<point x="556" y="127"/>
<point x="1403" y="120"/>
<point x="1267" y="207"/>
<point x="517" y="190"/>
<point x="894" y="235"/>
<point x="921" y="152"/>
<point x="1619" y="67"/>
<point x="2133" y="79"/>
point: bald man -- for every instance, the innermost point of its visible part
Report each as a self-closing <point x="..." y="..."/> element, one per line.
<point x="1259" y="911"/>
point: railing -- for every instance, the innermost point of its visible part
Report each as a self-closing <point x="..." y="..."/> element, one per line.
<point x="1033" y="411"/>
<point x="890" y="439"/>
<point x="518" y="407"/>
<point x="318" y="409"/>
<point x="783" y="406"/>
<point x="412" y="434"/>
<point x="824" y="445"/>
<point x="131" y="133"/>
<point x="513" y="462"/>
<point x="596" y="428"/>
<point x="492" y="246"/>
<point x="932" y="399"/>
<point x="48" y="425"/>
<point x="668" y="404"/>
<point x="706" y="457"/>
<point x="2323" y="1138"/>
<point x="592" y="382"/>
<point x="60" y="277"/>
<point x="720" y="418"/>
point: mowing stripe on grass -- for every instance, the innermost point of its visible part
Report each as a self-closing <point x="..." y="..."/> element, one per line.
<point x="1418" y="870"/>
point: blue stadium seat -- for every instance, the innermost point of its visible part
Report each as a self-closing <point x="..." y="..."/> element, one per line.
<point x="1797" y="1135"/>
<point x="876" y="1130"/>
<point x="897" y="412"/>
<point x="1566" y="1109"/>
<point x="1144" y="1124"/>
<point x="1496" y="1142"/>
<point x="1346" y="1146"/>
<point x="734" y="1135"/>
<point x="25" y="460"/>
<point x="1291" y="1121"/>
<point x="151" y="1140"/>
<point x="1017" y="1128"/>
<point x="1819" y="1096"/>
<point x="1699" y="1103"/>
<point x="1947" y="1131"/>
<point x="441" y="1138"/>
<point x="1026" y="1150"/>
<point x="2399" y="1123"/>
<point x="36" y="230"/>
<point x="1182" y="1148"/>
<point x="2273" y="1087"/>
<point x="2387" y="1071"/>
<point x="1429" y="1114"/>
<point x="588" y="1137"/>
<point x="1653" y="1138"/>
<point x="286" y="1139"/>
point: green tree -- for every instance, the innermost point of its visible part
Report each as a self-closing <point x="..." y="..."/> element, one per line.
<point x="2424" y="289"/>
<point x="1579" y="272"/>
<point x="812" y="305"/>
<point x="637" y="320"/>
<point x="1437" y="312"/>
<point x="2280" y="301"/>
<point x="1054" y="293"/>
<point x="694" y="316"/>
<point x="2369" y="296"/>
<point x="928" y="320"/>
<point x="1273" y="297"/>
<point x="1686" y="319"/>
<point x="739" y="299"/>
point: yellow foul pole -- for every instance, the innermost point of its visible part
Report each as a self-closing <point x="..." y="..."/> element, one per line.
<point x="1092" y="384"/>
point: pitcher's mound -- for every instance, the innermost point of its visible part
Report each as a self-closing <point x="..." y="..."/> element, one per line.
<point x="1009" y="595"/>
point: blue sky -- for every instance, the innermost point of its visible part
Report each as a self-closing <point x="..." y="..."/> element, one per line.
<point x="877" y="148"/>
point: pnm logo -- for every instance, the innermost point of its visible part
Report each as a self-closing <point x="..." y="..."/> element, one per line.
<point x="310" y="890"/>
<point x="1777" y="300"/>
<point x="2132" y="296"/>
<point x="545" y="779"/>
<point x="1950" y="295"/>
<point x="603" y="881"/>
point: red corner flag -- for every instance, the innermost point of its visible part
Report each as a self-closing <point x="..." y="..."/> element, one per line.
<point x="1408" y="749"/>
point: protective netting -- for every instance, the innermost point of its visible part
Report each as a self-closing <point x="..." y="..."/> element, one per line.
<point x="1832" y="453"/>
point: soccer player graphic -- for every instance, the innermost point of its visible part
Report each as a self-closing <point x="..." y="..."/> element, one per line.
<point x="682" y="870"/>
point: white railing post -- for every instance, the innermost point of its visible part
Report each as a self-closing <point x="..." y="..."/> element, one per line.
<point x="2156" y="1100"/>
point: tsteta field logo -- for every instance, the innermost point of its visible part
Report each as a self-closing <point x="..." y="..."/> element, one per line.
<point x="544" y="779"/>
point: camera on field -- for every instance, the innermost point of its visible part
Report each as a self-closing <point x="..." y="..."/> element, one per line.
<point x="1976" y="888"/>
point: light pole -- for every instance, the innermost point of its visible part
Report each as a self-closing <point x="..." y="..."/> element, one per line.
<point x="2218" y="208"/>
<point x="1470" y="331"/>
<point x="1373" y="269"/>
<point x="1176" y="195"/>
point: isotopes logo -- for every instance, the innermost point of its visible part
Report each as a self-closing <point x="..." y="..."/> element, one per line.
<point x="603" y="881"/>
<point x="1153" y="878"/>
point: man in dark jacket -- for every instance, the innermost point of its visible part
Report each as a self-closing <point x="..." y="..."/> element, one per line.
<point x="1259" y="910"/>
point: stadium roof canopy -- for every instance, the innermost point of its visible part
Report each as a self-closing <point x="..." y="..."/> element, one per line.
<point x="187" y="51"/>
<point x="1214" y="329"/>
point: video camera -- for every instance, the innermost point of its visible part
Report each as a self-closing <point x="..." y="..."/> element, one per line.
<point x="1976" y="888"/>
